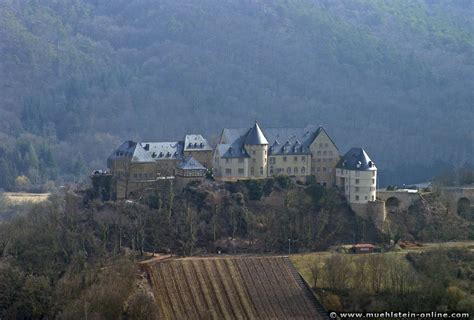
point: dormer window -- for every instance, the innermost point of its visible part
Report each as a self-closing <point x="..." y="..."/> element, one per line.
<point x="201" y="145"/>
<point x="190" y="145"/>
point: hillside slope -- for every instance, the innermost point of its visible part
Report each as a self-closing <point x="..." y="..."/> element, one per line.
<point x="79" y="76"/>
<point x="230" y="288"/>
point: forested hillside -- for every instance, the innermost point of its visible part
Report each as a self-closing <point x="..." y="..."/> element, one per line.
<point x="78" y="76"/>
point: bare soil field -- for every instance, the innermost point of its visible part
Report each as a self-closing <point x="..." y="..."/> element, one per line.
<point x="246" y="287"/>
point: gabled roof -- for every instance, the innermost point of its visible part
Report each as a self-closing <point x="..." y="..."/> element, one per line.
<point x="125" y="149"/>
<point x="161" y="151"/>
<point x="255" y="136"/>
<point x="281" y="140"/>
<point x="235" y="150"/>
<point x="356" y="159"/>
<point x="190" y="164"/>
<point x="196" y="142"/>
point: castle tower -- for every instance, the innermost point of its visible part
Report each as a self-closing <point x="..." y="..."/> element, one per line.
<point x="356" y="174"/>
<point x="256" y="146"/>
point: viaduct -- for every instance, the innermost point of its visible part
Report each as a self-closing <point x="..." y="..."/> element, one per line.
<point x="463" y="198"/>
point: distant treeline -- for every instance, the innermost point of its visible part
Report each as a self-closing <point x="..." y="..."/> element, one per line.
<point x="80" y="76"/>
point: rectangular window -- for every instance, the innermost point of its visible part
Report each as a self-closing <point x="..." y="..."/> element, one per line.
<point x="319" y="153"/>
<point x="325" y="153"/>
<point x="357" y="173"/>
<point x="373" y="198"/>
<point x="319" y="169"/>
<point x="261" y="170"/>
<point x="253" y="160"/>
<point x="357" y="189"/>
<point x="365" y="197"/>
<point x="330" y="153"/>
<point x="325" y="145"/>
<point x="319" y="160"/>
<point x="303" y="158"/>
<point x="357" y="181"/>
<point x="320" y="145"/>
<point x="241" y="160"/>
<point x="284" y="159"/>
<point x="227" y="160"/>
<point x="357" y="198"/>
<point x="272" y="160"/>
<point x="253" y="151"/>
<point x="252" y="172"/>
<point x="373" y="173"/>
<point x="241" y="171"/>
<point x="228" y="171"/>
<point x="324" y="169"/>
<point x="295" y="159"/>
<point x="373" y="181"/>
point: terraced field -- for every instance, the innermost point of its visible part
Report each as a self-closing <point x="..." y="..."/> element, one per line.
<point x="231" y="288"/>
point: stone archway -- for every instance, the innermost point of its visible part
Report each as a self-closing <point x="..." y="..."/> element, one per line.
<point x="392" y="204"/>
<point x="464" y="207"/>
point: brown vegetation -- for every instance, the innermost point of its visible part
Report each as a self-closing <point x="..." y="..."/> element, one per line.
<point x="229" y="288"/>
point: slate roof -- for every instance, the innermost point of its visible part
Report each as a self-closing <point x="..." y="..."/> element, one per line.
<point x="255" y="136"/>
<point x="190" y="164"/>
<point x="196" y="142"/>
<point x="160" y="151"/>
<point x="126" y="149"/>
<point x="280" y="140"/>
<point x="356" y="159"/>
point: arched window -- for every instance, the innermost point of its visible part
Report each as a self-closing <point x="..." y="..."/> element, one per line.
<point x="295" y="170"/>
<point x="288" y="170"/>
<point x="303" y="170"/>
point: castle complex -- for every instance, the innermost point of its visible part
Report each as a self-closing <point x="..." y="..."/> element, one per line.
<point x="247" y="153"/>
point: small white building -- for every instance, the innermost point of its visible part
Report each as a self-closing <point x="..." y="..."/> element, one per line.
<point x="356" y="175"/>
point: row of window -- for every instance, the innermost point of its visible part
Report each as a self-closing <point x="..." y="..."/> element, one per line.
<point x="285" y="159"/>
<point x="322" y="160"/>
<point x="357" y="198"/>
<point x="357" y="173"/>
<point x="324" y="153"/>
<point x="321" y="169"/>
<point x="357" y="189"/>
<point x="288" y="170"/>
<point x="193" y="173"/>
<point x="144" y="176"/>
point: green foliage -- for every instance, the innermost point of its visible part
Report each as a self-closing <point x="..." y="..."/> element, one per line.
<point x="316" y="192"/>
<point x="255" y="188"/>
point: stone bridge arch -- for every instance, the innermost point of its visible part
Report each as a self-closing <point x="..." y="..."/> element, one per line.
<point x="463" y="197"/>
<point x="397" y="200"/>
<point x="392" y="204"/>
<point x="464" y="207"/>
